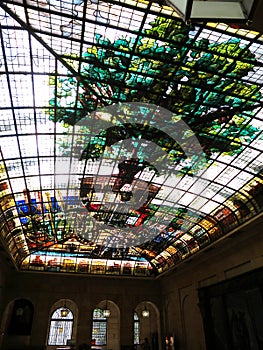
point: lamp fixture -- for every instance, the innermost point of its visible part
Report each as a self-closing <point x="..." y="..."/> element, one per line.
<point x="145" y="312"/>
<point x="228" y="11"/>
<point x="64" y="311"/>
<point x="106" y="311"/>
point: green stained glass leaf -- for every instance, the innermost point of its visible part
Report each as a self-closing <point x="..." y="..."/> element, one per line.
<point x="198" y="81"/>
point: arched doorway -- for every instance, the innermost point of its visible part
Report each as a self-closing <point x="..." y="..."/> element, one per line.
<point x="17" y="323"/>
<point x="149" y="324"/>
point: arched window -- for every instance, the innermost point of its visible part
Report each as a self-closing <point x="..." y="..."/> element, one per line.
<point x="99" y="327"/>
<point x="136" y="329"/>
<point x="61" y="324"/>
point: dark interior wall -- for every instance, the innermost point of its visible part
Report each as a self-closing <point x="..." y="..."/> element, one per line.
<point x="43" y="290"/>
<point x="4" y="272"/>
<point x="234" y="256"/>
<point x="175" y="293"/>
<point x="233" y="313"/>
<point x="2" y="283"/>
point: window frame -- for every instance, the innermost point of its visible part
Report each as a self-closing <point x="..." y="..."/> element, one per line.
<point x="57" y="322"/>
<point x="100" y="321"/>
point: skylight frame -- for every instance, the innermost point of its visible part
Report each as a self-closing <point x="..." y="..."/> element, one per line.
<point x="55" y="57"/>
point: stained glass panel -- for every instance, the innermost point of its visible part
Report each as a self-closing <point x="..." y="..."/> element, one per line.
<point x="129" y="140"/>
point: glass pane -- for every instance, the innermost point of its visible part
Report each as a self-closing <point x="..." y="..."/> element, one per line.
<point x="99" y="332"/>
<point x="66" y="170"/>
<point x="136" y="329"/>
<point x="60" y="331"/>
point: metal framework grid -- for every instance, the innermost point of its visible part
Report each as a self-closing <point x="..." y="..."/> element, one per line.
<point x="62" y="60"/>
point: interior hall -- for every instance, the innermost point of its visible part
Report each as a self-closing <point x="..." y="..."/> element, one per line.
<point x="131" y="175"/>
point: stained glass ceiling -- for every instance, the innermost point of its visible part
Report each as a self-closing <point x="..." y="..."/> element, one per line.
<point x="129" y="140"/>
